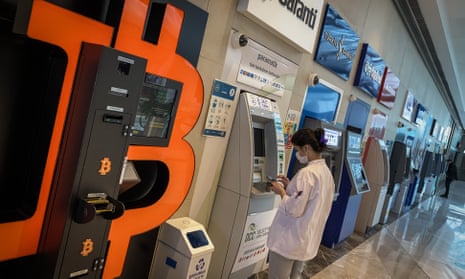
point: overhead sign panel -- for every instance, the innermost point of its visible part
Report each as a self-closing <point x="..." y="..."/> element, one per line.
<point x="296" y="20"/>
<point x="389" y="88"/>
<point x="338" y="44"/>
<point x="370" y="71"/>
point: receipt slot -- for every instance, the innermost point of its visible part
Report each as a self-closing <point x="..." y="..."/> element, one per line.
<point x="183" y="250"/>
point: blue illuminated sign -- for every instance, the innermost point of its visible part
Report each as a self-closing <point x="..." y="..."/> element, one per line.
<point x="337" y="45"/>
<point x="370" y="71"/>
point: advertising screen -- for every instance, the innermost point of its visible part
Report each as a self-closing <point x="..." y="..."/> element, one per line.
<point x="389" y="88"/>
<point x="337" y="45"/>
<point x="322" y="101"/>
<point x="409" y="107"/>
<point x="370" y="71"/>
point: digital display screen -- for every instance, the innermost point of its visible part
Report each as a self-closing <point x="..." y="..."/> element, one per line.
<point x="356" y="168"/>
<point x="409" y="106"/>
<point x="321" y="102"/>
<point x="338" y="44"/>
<point x="154" y="112"/>
<point x="370" y="71"/>
<point x="388" y="91"/>
<point x="259" y="141"/>
<point x="332" y="137"/>
<point x="354" y="141"/>
<point x="156" y="109"/>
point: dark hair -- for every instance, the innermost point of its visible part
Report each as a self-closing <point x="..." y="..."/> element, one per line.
<point x="315" y="138"/>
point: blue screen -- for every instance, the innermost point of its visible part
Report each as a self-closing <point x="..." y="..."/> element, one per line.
<point x="370" y="71"/>
<point x="321" y="103"/>
<point x="337" y="45"/>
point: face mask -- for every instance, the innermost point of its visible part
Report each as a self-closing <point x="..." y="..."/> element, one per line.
<point x="302" y="159"/>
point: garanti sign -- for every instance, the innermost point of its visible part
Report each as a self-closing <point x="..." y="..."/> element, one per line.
<point x="295" y="20"/>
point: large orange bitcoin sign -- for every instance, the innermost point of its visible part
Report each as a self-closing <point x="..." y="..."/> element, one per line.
<point x="65" y="29"/>
<point x="178" y="155"/>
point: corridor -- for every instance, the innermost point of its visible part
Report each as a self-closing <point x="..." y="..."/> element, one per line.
<point x="426" y="242"/>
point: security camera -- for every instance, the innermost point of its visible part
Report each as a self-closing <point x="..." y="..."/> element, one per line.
<point x="313" y="79"/>
<point x="239" y="40"/>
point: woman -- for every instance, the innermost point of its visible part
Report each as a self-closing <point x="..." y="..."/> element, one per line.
<point x="306" y="200"/>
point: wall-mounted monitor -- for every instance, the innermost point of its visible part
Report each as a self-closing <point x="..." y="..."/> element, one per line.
<point x="410" y="105"/>
<point x="156" y="111"/>
<point x="370" y="71"/>
<point x="389" y="87"/>
<point x="337" y="45"/>
<point x="420" y="115"/>
<point x="322" y="101"/>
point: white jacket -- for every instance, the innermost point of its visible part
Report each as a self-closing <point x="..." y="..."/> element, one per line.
<point x="298" y="226"/>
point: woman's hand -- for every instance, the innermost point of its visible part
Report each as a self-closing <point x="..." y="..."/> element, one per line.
<point x="278" y="187"/>
<point x="283" y="179"/>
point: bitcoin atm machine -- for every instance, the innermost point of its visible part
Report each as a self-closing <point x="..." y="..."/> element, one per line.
<point x="376" y="163"/>
<point x="243" y="208"/>
<point x="334" y="155"/>
<point x="83" y="199"/>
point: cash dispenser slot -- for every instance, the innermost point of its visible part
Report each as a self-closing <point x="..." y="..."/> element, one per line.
<point x="143" y="183"/>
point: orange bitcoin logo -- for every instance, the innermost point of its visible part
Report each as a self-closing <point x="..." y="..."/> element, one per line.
<point x="105" y="166"/>
<point x="87" y="247"/>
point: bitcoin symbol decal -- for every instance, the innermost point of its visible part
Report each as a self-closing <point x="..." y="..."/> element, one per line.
<point x="87" y="247"/>
<point x="105" y="166"/>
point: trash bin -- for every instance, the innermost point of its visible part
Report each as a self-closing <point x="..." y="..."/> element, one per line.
<point x="183" y="250"/>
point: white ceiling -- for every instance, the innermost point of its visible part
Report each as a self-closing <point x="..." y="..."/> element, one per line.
<point x="445" y="21"/>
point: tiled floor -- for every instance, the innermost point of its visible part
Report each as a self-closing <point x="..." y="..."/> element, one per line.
<point x="427" y="241"/>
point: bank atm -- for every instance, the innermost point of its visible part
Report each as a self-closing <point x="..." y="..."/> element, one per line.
<point x="397" y="163"/>
<point x="376" y="164"/>
<point x="244" y="208"/>
<point x="430" y="181"/>
<point x="334" y="155"/>
<point x="354" y="183"/>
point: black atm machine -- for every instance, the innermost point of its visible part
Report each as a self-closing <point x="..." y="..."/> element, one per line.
<point x="334" y="155"/>
<point x="83" y="199"/>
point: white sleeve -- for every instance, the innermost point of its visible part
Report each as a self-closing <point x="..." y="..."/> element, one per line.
<point x="295" y="202"/>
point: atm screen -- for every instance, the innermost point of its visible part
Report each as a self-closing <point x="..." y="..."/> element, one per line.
<point x="259" y="141"/>
<point x="356" y="168"/>
<point x="156" y="110"/>
<point x="353" y="141"/>
<point x="332" y="137"/>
